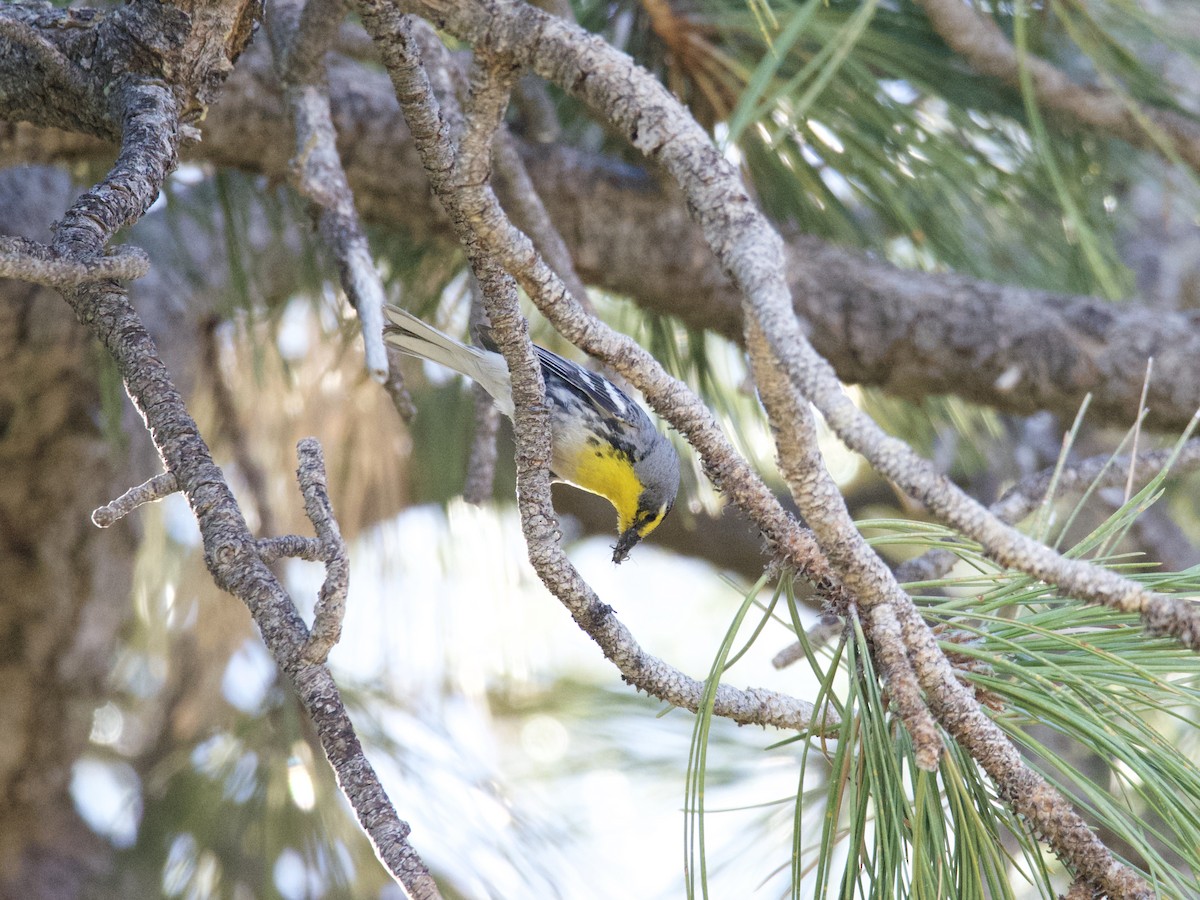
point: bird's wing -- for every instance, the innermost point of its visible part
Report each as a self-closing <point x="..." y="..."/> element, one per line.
<point x="608" y="400"/>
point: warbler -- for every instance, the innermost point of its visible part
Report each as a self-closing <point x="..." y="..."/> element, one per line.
<point x="601" y="440"/>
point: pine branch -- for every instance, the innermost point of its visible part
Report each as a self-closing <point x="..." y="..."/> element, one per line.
<point x="484" y="231"/>
<point x="149" y="115"/>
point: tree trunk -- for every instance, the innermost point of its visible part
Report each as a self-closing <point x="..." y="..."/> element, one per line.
<point x="65" y="583"/>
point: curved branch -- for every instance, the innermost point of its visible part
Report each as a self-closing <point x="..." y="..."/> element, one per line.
<point x="300" y="34"/>
<point x="821" y="503"/>
<point x="399" y="50"/>
<point x="894" y="618"/>
<point x="752" y="253"/>
<point x="149" y="114"/>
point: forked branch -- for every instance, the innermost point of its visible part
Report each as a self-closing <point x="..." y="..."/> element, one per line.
<point x="401" y="54"/>
<point x="149" y="115"/>
<point x="751" y="253"/>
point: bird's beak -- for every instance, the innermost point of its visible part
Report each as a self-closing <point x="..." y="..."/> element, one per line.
<point x="626" y="542"/>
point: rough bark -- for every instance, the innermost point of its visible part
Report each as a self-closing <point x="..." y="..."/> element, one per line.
<point x="147" y="70"/>
<point x="913" y="334"/>
<point x="951" y="342"/>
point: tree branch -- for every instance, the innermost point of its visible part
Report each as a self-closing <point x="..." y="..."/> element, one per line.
<point x="669" y="397"/>
<point x="913" y="334"/>
<point x="300" y="36"/>
<point x="398" y="49"/>
<point x="752" y="253"/>
<point x="37" y="263"/>
<point x="530" y="215"/>
<point x="863" y="572"/>
<point x="1093" y="474"/>
<point x="149" y="115"/>
<point x="899" y="635"/>
<point x="148" y="492"/>
<point x="331" y="600"/>
<point x="1053" y="819"/>
<point x="979" y="41"/>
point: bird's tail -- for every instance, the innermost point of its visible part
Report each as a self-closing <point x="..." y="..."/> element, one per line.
<point x="410" y="335"/>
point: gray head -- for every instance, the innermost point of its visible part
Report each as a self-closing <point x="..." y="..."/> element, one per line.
<point x="658" y="471"/>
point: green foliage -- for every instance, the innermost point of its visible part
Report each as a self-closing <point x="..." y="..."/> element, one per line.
<point x="696" y="865"/>
<point x="1107" y="713"/>
<point x="854" y="121"/>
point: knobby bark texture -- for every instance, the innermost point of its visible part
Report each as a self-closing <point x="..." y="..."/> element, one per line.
<point x="752" y="255"/>
<point x="160" y="66"/>
<point x="197" y="44"/>
<point x="913" y="334"/>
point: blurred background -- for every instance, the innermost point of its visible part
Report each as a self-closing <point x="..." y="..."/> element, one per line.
<point x="154" y="751"/>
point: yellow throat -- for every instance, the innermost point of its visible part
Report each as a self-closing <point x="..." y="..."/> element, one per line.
<point x="609" y="472"/>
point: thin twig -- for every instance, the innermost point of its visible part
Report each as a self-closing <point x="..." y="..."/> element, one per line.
<point x="290" y="546"/>
<point x="1100" y="471"/>
<point x="331" y="600"/>
<point x="490" y="83"/>
<point x="530" y="214"/>
<point x="1049" y="814"/>
<point x="148" y="492"/>
<point x="954" y="706"/>
<point x="299" y="39"/>
<point x="481" y="460"/>
<point x="490" y="86"/>
<point x="309" y="29"/>
<point x="39" y="264"/>
<point x="826" y="629"/>
<point x="327" y="547"/>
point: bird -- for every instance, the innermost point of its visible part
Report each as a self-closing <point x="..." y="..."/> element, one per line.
<point x="601" y="440"/>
